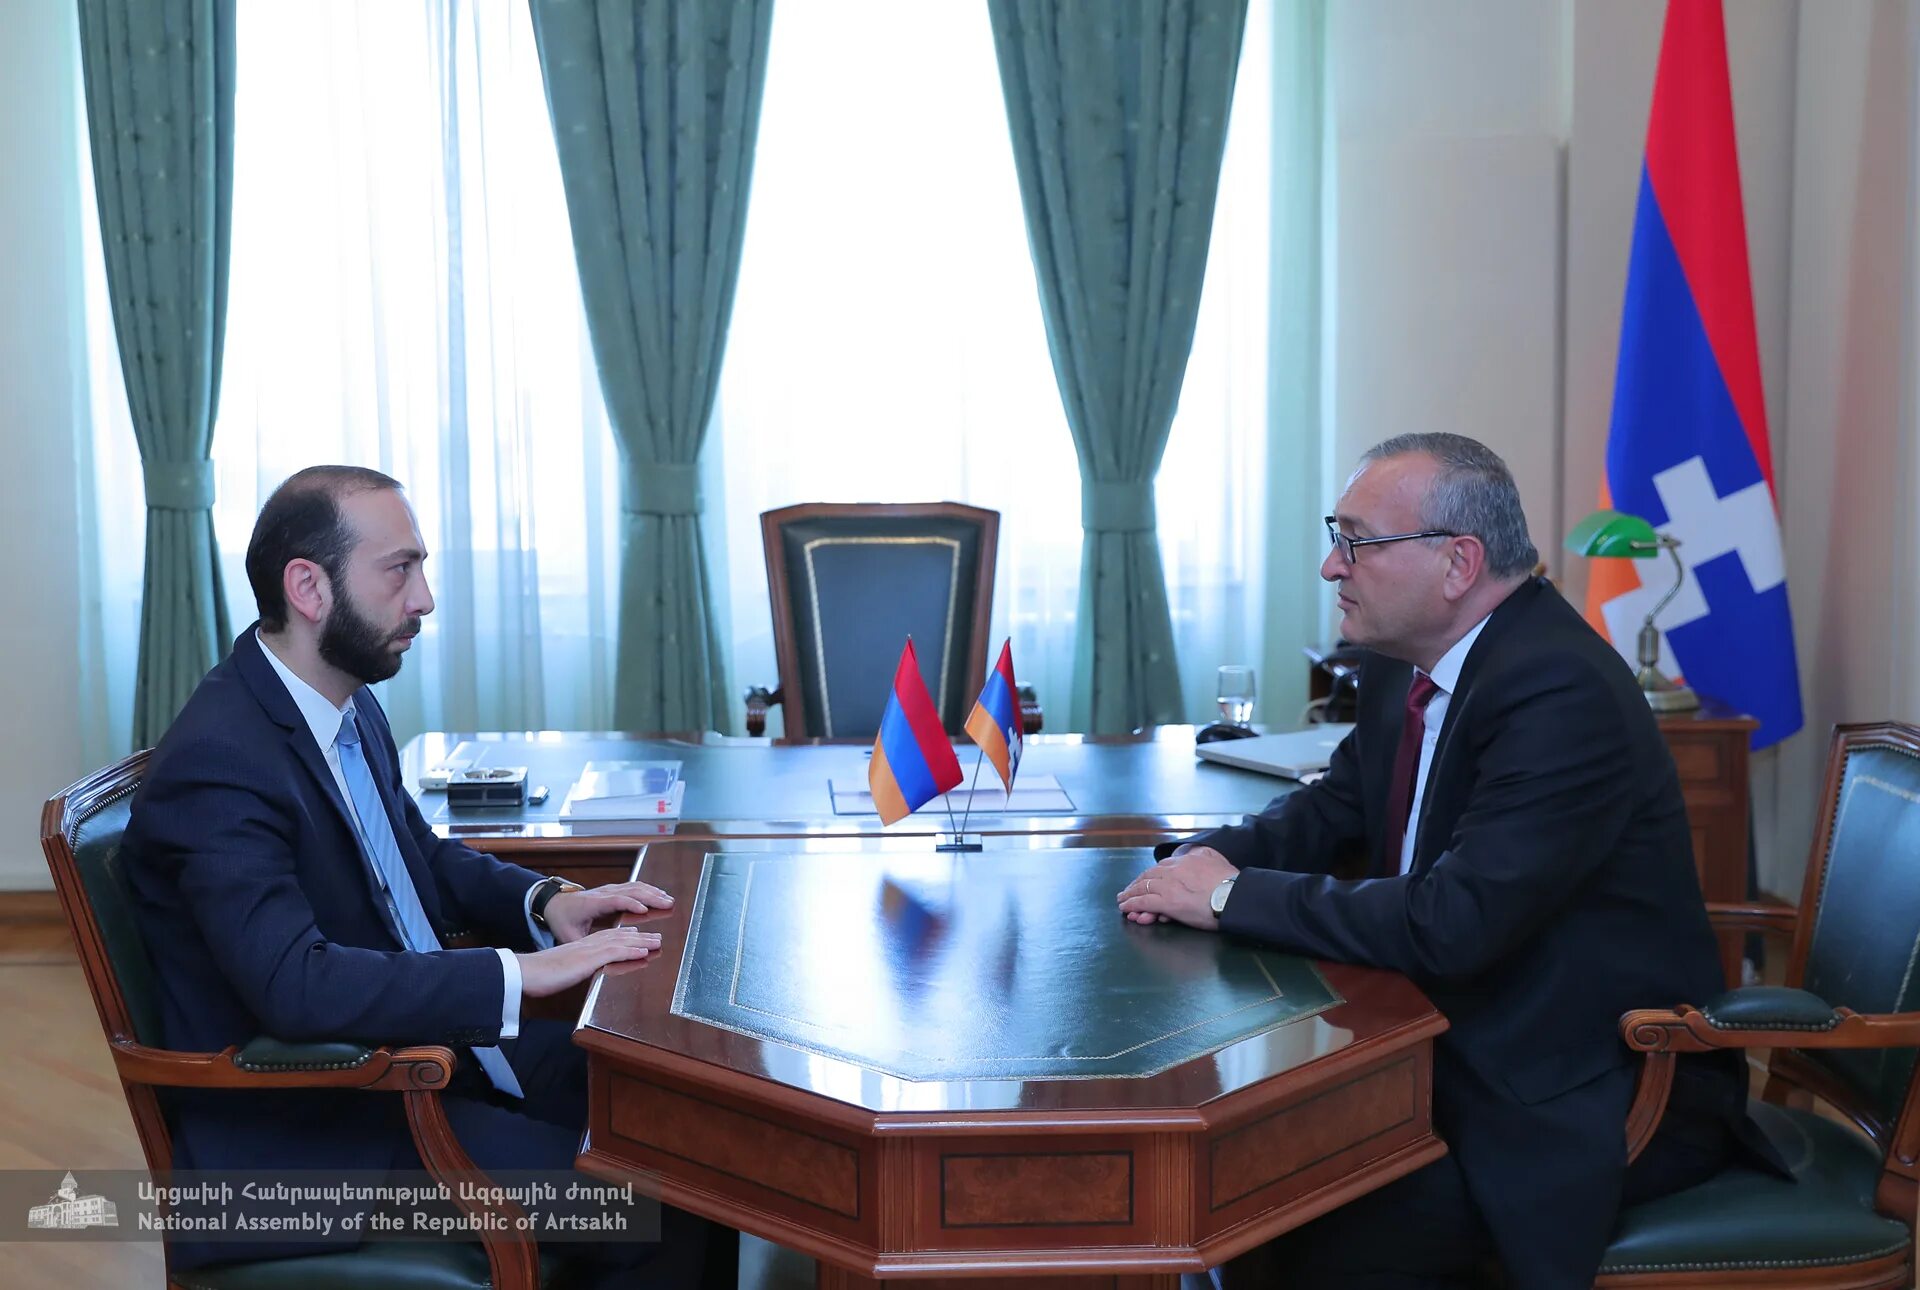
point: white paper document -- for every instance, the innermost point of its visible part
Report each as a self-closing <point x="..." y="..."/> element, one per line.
<point x="626" y="790"/>
<point x="1031" y="796"/>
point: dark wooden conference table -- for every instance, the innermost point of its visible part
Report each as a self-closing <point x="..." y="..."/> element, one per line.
<point x="747" y="788"/>
<point x="924" y="1066"/>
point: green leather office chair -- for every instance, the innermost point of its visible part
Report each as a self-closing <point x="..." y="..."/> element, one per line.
<point x="80" y="831"/>
<point x="1843" y="1030"/>
<point x="848" y="583"/>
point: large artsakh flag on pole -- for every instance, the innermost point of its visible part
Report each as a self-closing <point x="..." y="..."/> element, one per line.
<point x="1687" y="447"/>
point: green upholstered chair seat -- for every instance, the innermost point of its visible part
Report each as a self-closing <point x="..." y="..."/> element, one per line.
<point x="1743" y="1219"/>
<point x="389" y="1265"/>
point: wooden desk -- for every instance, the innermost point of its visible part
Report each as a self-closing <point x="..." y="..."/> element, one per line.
<point x="1153" y="788"/>
<point x="1709" y="748"/>
<point x="1214" y="1129"/>
<point x="745" y="788"/>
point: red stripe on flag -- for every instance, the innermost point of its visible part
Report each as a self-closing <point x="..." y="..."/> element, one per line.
<point x="1693" y="162"/>
<point x="910" y="692"/>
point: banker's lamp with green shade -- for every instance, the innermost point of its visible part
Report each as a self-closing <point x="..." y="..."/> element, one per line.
<point x="1613" y="534"/>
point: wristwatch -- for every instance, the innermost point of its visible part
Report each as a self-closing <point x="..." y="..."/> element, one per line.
<point x="1218" y="901"/>
<point x="545" y="892"/>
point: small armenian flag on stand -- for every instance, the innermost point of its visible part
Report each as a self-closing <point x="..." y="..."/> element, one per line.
<point x="913" y="762"/>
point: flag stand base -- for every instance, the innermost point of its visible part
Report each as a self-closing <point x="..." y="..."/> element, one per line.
<point x="957" y="842"/>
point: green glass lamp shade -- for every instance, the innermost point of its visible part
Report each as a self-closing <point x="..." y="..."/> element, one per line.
<point x="1611" y="534"/>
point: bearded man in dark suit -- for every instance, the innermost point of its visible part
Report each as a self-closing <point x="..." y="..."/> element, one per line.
<point x="1527" y="863"/>
<point x="289" y="887"/>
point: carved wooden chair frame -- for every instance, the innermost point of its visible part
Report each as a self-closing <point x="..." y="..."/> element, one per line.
<point x="1662" y="1033"/>
<point x="417" y="1074"/>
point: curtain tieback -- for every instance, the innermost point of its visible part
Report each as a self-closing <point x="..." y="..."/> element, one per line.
<point x="1125" y="507"/>
<point x="662" y="488"/>
<point x="179" y="485"/>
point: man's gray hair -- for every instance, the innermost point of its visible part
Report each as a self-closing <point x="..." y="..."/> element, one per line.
<point x="1473" y="495"/>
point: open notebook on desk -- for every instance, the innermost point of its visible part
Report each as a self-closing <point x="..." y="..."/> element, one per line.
<point x="1296" y="754"/>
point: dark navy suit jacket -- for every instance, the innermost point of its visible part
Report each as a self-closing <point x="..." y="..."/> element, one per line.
<point x="1552" y="889"/>
<point x="263" y="917"/>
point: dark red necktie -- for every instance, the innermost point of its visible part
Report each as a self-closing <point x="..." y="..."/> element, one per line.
<point x="1406" y="769"/>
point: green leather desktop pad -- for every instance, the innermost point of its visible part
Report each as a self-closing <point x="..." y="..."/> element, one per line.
<point x="991" y="965"/>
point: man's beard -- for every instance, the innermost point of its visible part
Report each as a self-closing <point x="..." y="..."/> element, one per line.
<point x="354" y="645"/>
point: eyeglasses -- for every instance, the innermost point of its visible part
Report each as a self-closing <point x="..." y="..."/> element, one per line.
<point x="1347" y="545"/>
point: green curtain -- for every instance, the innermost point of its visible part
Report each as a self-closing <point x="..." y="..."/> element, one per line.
<point x="1118" y="112"/>
<point x="159" y="86"/>
<point x="655" y="104"/>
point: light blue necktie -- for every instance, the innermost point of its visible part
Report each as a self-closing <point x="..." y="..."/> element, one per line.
<point x="376" y="835"/>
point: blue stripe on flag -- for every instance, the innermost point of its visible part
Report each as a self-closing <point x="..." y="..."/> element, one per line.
<point x="1671" y="404"/>
<point x="998" y="700"/>
<point x="904" y="758"/>
<point x="1670" y="400"/>
<point x="1743" y="649"/>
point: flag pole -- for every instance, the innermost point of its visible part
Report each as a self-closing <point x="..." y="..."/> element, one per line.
<point x="980" y="755"/>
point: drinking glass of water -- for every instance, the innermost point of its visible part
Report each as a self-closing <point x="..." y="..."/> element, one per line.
<point x="1235" y="694"/>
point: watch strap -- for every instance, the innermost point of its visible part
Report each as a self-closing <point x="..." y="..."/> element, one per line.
<point x="543" y="895"/>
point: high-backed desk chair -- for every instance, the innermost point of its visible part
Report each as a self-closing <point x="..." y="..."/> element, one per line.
<point x="80" y="831"/>
<point x="1848" y="1220"/>
<point x="848" y="583"/>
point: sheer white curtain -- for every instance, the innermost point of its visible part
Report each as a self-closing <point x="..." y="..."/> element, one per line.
<point x="887" y="342"/>
<point x="403" y="296"/>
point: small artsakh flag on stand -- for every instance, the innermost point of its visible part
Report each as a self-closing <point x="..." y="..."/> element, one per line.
<point x="994" y="722"/>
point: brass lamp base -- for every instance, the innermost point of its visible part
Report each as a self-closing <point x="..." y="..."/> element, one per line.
<point x="1661" y="694"/>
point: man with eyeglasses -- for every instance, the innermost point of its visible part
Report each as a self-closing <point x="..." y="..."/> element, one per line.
<point x="1528" y="864"/>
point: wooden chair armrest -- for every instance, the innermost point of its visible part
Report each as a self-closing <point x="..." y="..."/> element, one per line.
<point x="1686" y="1029"/>
<point x="418" y="1074"/>
<point x="759" y="699"/>
<point x="427" y="1067"/>
<point x="1649" y="1102"/>
<point x="1756" y="917"/>
<point x="513" y="1258"/>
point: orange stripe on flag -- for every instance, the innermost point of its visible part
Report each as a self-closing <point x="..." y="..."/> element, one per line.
<point x="992" y="742"/>
<point x="888" y="800"/>
<point x="1607" y="578"/>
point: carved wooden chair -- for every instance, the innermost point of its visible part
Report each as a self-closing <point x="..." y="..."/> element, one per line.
<point x="848" y="583"/>
<point x="1844" y="1030"/>
<point x="80" y="831"/>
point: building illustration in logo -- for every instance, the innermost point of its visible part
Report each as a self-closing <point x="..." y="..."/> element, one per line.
<point x="68" y="1209"/>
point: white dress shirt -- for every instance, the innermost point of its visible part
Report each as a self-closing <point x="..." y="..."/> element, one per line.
<point x="1446" y="675"/>
<point x="323" y="719"/>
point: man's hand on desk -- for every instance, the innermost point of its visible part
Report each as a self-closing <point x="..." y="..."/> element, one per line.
<point x="565" y="966"/>
<point x="1179" y="889"/>
<point x="572" y="914"/>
